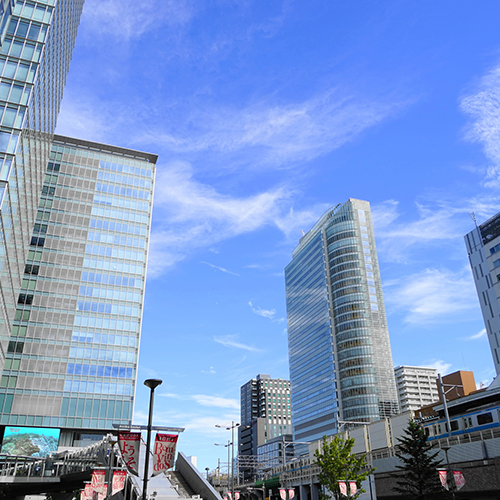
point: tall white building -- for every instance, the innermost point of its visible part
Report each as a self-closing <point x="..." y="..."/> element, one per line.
<point x="483" y="247"/>
<point x="416" y="386"/>
<point x="338" y="342"/>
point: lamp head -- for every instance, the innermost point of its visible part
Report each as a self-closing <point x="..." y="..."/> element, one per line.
<point x="153" y="383"/>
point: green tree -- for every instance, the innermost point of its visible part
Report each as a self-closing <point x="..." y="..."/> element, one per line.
<point x="419" y="463"/>
<point x="338" y="463"/>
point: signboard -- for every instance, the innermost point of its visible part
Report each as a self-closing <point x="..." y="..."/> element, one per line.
<point x="118" y="481"/>
<point x="30" y="441"/>
<point x="343" y="487"/>
<point x="459" y="478"/>
<point x="443" y="477"/>
<point x="291" y="493"/>
<point x="353" y="487"/>
<point x="164" y="452"/>
<point x="129" y="446"/>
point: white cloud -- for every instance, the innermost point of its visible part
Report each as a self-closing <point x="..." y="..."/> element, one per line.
<point x="231" y="341"/>
<point x="478" y="335"/>
<point x="433" y="296"/>
<point x="272" y="134"/>
<point x="128" y="19"/>
<point x="441" y="366"/>
<point x="222" y="269"/>
<point x="483" y="105"/>
<point x="265" y="313"/>
<point x="205" y="400"/>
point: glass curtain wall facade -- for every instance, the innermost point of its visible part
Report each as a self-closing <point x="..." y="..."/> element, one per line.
<point x="483" y="247"/>
<point x="72" y="356"/>
<point x="339" y="350"/>
<point x="36" y="43"/>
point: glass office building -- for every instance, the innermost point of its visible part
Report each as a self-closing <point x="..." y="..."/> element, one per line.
<point x="483" y="247"/>
<point x="36" y="43"/>
<point x="72" y="355"/>
<point x="339" y="351"/>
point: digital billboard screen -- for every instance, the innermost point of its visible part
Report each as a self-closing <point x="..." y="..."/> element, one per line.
<point x="30" y="441"/>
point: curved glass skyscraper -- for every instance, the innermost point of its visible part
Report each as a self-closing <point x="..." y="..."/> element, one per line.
<point x="340" y="356"/>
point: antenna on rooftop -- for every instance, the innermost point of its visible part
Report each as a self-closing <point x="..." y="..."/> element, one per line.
<point x="473" y="217"/>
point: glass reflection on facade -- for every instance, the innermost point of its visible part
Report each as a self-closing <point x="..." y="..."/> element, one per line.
<point x="36" y="43"/>
<point x="72" y="356"/>
<point x="339" y="351"/>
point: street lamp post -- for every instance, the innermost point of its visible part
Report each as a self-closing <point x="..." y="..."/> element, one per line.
<point x="449" y="476"/>
<point x="152" y="383"/>
<point x="226" y="446"/>
<point x="231" y="428"/>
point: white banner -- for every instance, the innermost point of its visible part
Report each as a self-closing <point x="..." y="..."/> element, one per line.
<point x="98" y="485"/>
<point x="164" y="452"/>
<point x="283" y="493"/>
<point x="343" y="487"/>
<point x="118" y="481"/>
<point x="459" y="478"/>
<point x="236" y="495"/>
<point x="353" y="488"/>
<point x="443" y="476"/>
<point x="129" y="443"/>
<point x="291" y="493"/>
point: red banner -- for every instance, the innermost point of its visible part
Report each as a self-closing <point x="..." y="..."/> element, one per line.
<point x="229" y="495"/>
<point x="443" y="476"/>
<point x="236" y="495"/>
<point x="353" y="487"/>
<point x="343" y="487"/>
<point x="164" y="452"/>
<point x="118" y="481"/>
<point x="291" y="493"/>
<point x="283" y="493"/>
<point x="129" y="443"/>
<point x="459" y="478"/>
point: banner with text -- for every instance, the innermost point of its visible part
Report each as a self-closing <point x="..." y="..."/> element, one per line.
<point x="291" y="493"/>
<point x="343" y="487"/>
<point x="164" y="452"/>
<point x="459" y="478"/>
<point x="353" y="488"/>
<point x="283" y="493"/>
<point x="118" y="481"/>
<point x="443" y="476"/>
<point x="129" y="443"/>
<point x="98" y="484"/>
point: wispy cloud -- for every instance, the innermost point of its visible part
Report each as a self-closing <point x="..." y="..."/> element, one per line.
<point x="276" y="134"/>
<point x="478" y="335"/>
<point x="437" y="221"/>
<point x="483" y="105"/>
<point x="441" y="366"/>
<point x="222" y="269"/>
<point x="205" y="400"/>
<point x="265" y="313"/>
<point x="231" y="341"/>
<point x="433" y="296"/>
<point x="128" y="19"/>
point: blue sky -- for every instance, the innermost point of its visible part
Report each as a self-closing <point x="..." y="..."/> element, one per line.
<point x="264" y="114"/>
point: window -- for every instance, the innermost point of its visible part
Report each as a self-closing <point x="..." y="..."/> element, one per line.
<point x="485" y="418"/>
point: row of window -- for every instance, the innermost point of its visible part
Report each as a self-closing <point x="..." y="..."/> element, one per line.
<point x="81" y="386"/>
<point x="29" y="51"/>
<point x="120" y="267"/>
<point x="122" y="191"/>
<point x="106" y="308"/>
<point x="123" y="179"/>
<point x="111" y="279"/>
<point x="128" y="169"/>
<point x="102" y="354"/>
<point x="31" y="31"/>
<point x="114" y="239"/>
<point x="106" y="323"/>
<point x="120" y="214"/>
<point x="104" y="338"/>
<point x="117" y="253"/>
<point x="105" y="293"/>
<point x="11" y="116"/>
<point x="99" y="370"/>
<point x="121" y="203"/>
<point x="118" y="227"/>
<point x="29" y="10"/>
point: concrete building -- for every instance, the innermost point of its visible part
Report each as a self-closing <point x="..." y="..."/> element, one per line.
<point x="416" y="387"/>
<point x="340" y="356"/>
<point x="483" y="247"/>
<point x="265" y="412"/>
<point x="73" y="350"/>
<point x="36" y="43"/>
